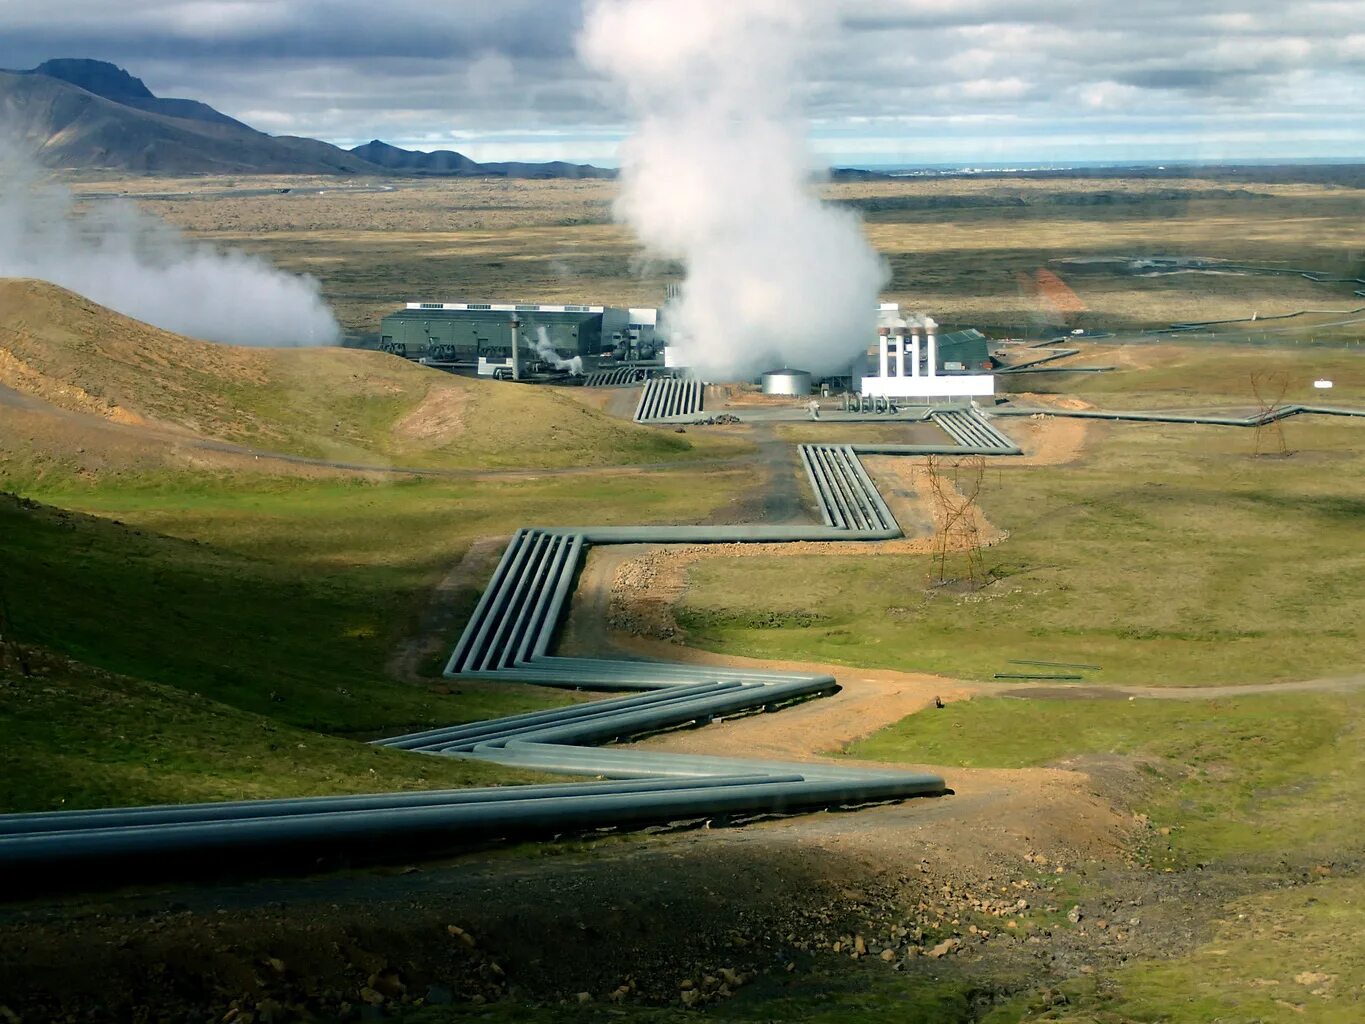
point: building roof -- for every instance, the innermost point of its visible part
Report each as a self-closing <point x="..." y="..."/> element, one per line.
<point x="502" y="307"/>
<point x="543" y="314"/>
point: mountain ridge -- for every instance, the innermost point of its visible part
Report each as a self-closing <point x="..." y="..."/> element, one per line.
<point x="446" y="162"/>
<point x="81" y="113"/>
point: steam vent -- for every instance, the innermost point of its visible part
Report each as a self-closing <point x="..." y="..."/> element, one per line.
<point x="786" y="382"/>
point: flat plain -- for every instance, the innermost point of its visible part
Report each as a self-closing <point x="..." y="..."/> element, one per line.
<point x="966" y="247"/>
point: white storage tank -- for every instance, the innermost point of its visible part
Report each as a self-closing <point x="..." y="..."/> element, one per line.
<point x="786" y="382"/>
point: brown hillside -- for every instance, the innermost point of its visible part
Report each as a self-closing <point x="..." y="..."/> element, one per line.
<point x="332" y="403"/>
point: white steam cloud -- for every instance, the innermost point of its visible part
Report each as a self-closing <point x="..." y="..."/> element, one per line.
<point x="141" y="266"/>
<point x="546" y="351"/>
<point x="718" y="175"/>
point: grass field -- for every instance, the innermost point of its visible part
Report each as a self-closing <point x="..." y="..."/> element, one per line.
<point x="75" y="737"/>
<point x="1170" y="556"/>
<point x="1253" y="793"/>
<point x="1257" y="780"/>
<point x="1255" y="796"/>
<point x="215" y="612"/>
<point x="954" y="247"/>
<point x="1176" y="375"/>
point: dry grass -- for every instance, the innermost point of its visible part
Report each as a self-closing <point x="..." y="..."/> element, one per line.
<point x="337" y="404"/>
<point x="949" y="253"/>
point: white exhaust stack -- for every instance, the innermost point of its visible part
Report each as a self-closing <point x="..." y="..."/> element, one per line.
<point x="900" y="351"/>
<point x="914" y="351"/>
<point x="516" y="356"/>
<point x="930" y="326"/>
<point x="882" y="334"/>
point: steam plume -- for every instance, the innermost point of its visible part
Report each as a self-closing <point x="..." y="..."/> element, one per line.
<point x="718" y="174"/>
<point x="141" y="266"/>
<point x="546" y="351"/>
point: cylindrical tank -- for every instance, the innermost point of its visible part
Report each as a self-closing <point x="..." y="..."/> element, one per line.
<point x="786" y="382"/>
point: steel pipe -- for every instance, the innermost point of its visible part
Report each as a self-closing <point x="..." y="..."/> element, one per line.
<point x="508" y="638"/>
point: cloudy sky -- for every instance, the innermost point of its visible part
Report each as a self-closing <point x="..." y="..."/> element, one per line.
<point x="905" y="82"/>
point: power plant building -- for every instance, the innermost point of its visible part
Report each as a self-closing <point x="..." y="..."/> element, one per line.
<point x="480" y="333"/>
<point x="910" y="360"/>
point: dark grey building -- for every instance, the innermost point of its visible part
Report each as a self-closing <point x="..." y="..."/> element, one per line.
<point x="481" y="333"/>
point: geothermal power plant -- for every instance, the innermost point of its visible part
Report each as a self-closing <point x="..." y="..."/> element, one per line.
<point x="906" y="360"/>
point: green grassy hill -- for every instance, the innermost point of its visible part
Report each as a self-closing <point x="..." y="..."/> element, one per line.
<point x="215" y="635"/>
<point x="202" y="626"/>
<point x="137" y="667"/>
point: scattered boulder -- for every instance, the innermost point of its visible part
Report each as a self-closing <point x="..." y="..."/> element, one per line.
<point x="943" y="948"/>
<point x="461" y="936"/>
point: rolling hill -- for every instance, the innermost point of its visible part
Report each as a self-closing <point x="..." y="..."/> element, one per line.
<point x="325" y="403"/>
<point x="74" y="113"/>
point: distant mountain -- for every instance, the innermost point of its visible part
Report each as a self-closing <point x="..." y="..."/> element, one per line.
<point x="89" y="114"/>
<point x="442" y="161"/>
<point x="79" y="113"/>
<point x="113" y="83"/>
<point x="449" y="163"/>
<point x="97" y="76"/>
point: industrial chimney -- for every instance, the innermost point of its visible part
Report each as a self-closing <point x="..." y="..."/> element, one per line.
<point x="516" y="356"/>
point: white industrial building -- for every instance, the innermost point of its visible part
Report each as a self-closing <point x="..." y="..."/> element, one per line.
<point x="908" y="363"/>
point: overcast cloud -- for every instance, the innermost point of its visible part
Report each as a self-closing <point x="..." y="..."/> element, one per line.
<point x="907" y="81"/>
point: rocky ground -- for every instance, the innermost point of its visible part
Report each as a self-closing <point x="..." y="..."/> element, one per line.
<point x="685" y="918"/>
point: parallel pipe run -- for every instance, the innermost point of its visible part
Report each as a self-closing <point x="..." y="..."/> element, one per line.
<point x="585" y="808"/>
<point x="186" y="814"/>
<point x="619" y="377"/>
<point x="509" y="637"/>
<point x="536" y="572"/>
<point x="1284" y="412"/>
<point x="663" y="399"/>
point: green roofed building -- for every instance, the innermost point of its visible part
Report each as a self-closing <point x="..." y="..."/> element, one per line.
<point x="964" y="352"/>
